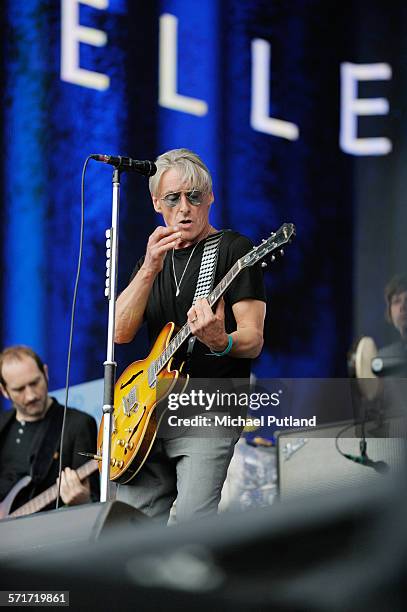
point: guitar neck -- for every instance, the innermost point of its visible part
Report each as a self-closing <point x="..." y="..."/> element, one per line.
<point x="274" y="242"/>
<point x="47" y="497"/>
<point x="185" y="331"/>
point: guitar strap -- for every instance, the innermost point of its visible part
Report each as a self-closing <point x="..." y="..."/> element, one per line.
<point x="206" y="277"/>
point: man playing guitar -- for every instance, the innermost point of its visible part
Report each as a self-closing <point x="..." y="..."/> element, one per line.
<point x="162" y="288"/>
<point x="30" y="436"/>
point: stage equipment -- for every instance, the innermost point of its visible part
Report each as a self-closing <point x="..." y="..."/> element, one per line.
<point x="66" y="527"/>
<point x="360" y="366"/>
<point x="308" y="461"/>
<point x="146" y="167"/>
<point x="112" y="253"/>
<point x="344" y="551"/>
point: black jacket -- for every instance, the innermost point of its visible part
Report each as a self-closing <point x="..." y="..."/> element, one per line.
<point x="80" y="435"/>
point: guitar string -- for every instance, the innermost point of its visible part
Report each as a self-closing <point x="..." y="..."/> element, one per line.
<point x="171" y="348"/>
<point x="49" y="495"/>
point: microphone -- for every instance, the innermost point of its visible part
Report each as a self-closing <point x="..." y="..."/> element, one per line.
<point x="147" y="168"/>
<point x="379" y="466"/>
<point x="383" y="366"/>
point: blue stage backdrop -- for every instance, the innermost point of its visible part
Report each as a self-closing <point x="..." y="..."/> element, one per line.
<point x="298" y="108"/>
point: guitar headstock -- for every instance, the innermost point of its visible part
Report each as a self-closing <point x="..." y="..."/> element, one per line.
<point x="270" y="246"/>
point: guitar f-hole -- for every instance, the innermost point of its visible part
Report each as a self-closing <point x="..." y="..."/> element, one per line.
<point x="137" y="424"/>
<point x="123" y="385"/>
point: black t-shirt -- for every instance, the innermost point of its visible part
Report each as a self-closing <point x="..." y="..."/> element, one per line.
<point x="163" y="304"/>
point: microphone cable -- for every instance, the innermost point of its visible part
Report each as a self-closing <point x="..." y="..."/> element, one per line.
<point x="71" y="328"/>
<point x="379" y="466"/>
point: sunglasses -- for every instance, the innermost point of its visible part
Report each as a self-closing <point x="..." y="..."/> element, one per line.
<point x="194" y="197"/>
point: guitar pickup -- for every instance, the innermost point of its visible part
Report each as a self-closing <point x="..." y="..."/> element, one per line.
<point x="130" y="402"/>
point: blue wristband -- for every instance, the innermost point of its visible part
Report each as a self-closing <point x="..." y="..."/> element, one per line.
<point x="227" y="349"/>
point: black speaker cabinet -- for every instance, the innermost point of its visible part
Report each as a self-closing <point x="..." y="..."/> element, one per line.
<point x="337" y="553"/>
<point x="64" y="527"/>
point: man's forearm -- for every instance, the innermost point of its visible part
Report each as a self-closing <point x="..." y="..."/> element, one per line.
<point x="131" y="304"/>
<point x="247" y="343"/>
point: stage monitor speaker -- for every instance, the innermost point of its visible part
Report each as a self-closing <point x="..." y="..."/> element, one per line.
<point x="308" y="461"/>
<point x="64" y="527"/>
<point x="341" y="552"/>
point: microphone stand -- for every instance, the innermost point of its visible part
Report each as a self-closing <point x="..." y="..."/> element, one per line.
<point x="362" y="441"/>
<point x="362" y="403"/>
<point x="112" y="255"/>
<point x="364" y="458"/>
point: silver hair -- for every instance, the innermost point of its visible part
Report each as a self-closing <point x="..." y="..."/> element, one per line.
<point x="191" y="169"/>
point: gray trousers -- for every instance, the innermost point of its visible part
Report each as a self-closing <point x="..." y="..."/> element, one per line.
<point x="191" y="470"/>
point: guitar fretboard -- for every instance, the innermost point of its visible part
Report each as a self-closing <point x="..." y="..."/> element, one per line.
<point x="185" y="331"/>
<point x="47" y="497"/>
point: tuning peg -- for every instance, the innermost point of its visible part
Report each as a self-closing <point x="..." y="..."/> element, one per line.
<point x="273" y="258"/>
<point x="281" y="251"/>
<point x="263" y="264"/>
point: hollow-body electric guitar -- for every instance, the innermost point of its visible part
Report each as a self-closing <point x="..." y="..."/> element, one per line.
<point x="147" y="382"/>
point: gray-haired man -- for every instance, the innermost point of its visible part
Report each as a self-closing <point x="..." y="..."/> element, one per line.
<point x="162" y="289"/>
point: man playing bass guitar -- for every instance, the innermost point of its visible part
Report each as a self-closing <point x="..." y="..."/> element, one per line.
<point x="30" y="437"/>
<point x="162" y="288"/>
